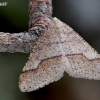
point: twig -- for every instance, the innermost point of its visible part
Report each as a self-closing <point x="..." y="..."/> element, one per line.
<point x="40" y="14"/>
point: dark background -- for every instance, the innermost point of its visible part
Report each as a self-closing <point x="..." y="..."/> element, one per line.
<point x="83" y="16"/>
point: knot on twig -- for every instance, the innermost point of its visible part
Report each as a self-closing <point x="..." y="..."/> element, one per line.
<point x="36" y="30"/>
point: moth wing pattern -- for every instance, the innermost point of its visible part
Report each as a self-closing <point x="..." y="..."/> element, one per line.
<point x="84" y="61"/>
<point x="44" y="65"/>
<point x="57" y="50"/>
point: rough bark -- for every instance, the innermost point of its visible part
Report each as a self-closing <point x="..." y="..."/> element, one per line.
<point x="40" y="14"/>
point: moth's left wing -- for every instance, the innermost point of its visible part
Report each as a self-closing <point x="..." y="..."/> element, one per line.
<point x="45" y="63"/>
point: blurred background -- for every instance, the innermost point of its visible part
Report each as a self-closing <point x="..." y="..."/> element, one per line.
<point x="83" y="16"/>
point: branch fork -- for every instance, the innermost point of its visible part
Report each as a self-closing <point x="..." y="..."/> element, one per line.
<point x="40" y="14"/>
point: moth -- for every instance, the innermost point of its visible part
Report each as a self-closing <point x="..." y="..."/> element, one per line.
<point x="59" y="49"/>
